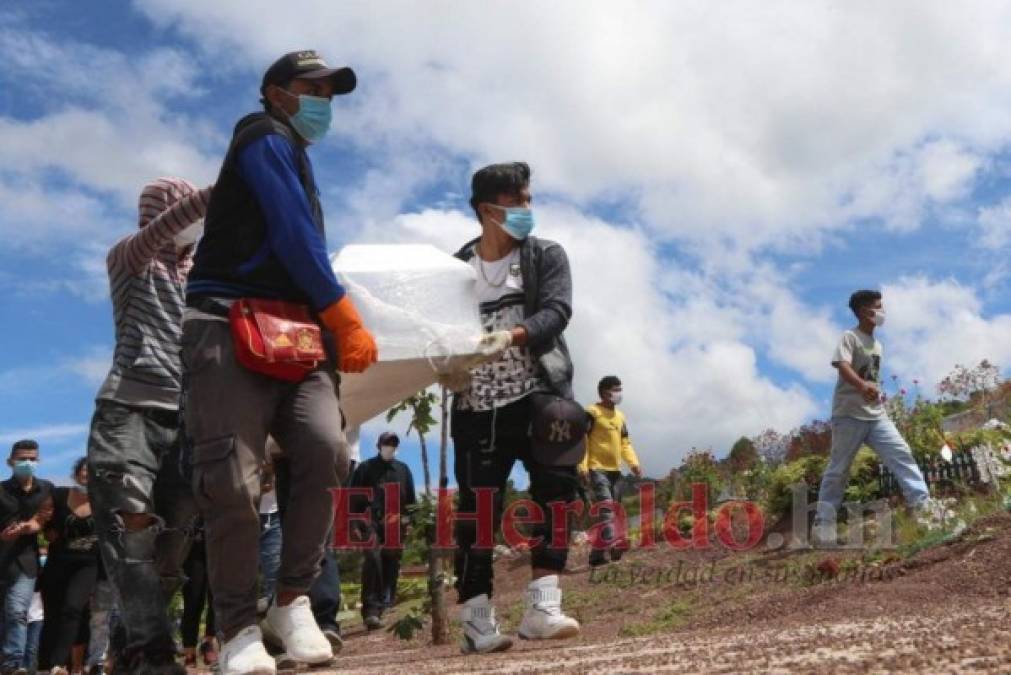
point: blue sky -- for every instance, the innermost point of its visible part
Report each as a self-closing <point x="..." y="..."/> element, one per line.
<point x="722" y="180"/>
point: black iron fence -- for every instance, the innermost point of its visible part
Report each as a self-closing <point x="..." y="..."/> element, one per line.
<point x="975" y="469"/>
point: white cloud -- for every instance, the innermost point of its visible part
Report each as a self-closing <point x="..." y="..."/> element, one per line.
<point x="73" y="171"/>
<point x="765" y="124"/>
<point x="995" y="225"/>
<point x="934" y="325"/>
<point x="52" y="433"/>
<point x="92" y="366"/>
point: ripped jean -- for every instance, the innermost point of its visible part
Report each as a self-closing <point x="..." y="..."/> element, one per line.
<point x="134" y="468"/>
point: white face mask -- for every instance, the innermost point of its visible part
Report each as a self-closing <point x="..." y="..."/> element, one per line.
<point x="387" y="452"/>
<point x="614" y="397"/>
<point x="190" y="235"/>
<point x="879" y="317"/>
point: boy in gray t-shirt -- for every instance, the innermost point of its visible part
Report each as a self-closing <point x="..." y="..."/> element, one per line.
<point x="859" y="417"/>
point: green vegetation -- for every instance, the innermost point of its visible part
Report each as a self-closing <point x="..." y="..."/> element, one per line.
<point x="672" y="616"/>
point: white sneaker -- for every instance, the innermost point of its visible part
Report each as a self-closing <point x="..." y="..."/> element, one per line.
<point x="544" y="619"/>
<point x="295" y="625"/>
<point x="245" y="654"/>
<point x="480" y="629"/>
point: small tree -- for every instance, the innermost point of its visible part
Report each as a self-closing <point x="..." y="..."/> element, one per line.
<point x="420" y="407"/>
<point x="743" y="455"/>
<point x="699" y="466"/>
<point x="814" y="438"/>
<point x="436" y="574"/>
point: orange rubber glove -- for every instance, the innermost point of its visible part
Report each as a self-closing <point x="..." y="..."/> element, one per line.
<point x="356" y="346"/>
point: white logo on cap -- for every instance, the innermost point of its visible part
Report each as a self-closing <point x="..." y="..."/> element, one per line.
<point x="309" y="59"/>
<point x="561" y="432"/>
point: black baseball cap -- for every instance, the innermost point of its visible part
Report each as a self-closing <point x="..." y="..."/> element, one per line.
<point x="308" y="65"/>
<point x="388" y="438"/>
<point x="558" y="428"/>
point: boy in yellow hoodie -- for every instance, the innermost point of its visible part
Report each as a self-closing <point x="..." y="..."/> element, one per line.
<point x="607" y="446"/>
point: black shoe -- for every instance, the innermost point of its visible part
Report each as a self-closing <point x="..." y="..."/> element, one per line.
<point x="616" y="554"/>
<point x="333" y="635"/>
<point x="373" y="622"/>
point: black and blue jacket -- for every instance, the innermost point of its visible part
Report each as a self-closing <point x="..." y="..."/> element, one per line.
<point x="263" y="233"/>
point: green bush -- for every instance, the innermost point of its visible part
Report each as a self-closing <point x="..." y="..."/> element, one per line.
<point x="806" y="470"/>
<point x="864" y="484"/>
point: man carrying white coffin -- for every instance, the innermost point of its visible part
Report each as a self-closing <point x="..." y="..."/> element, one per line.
<point x="525" y="294"/>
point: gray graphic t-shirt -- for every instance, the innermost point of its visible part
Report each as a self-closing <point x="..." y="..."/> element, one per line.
<point x="863" y="353"/>
<point x="516" y="373"/>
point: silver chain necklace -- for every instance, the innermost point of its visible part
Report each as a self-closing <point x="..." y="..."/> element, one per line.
<point x="480" y="267"/>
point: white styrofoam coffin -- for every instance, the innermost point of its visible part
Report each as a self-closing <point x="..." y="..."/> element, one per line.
<point x="421" y="306"/>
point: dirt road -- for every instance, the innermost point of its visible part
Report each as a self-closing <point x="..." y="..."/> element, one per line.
<point x="973" y="639"/>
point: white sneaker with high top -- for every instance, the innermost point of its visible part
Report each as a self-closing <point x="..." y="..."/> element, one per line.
<point x="295" y="625"/>
<point x="245" y="654"/>
<point x="480" y="629"/>
<point x="544" y="619"/>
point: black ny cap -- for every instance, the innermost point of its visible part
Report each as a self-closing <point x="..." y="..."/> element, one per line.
<point x="308" y="65"/>
<point x="558" y="427"/>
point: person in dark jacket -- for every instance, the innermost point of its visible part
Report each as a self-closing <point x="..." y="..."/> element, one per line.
<point x="26" y="505"/>
<point x="381" y="566"/>
<point x="524" y="288"/>
<point x="264" y="239"/>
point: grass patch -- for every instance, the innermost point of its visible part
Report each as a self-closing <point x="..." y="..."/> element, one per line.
<point x="671" y="617"/>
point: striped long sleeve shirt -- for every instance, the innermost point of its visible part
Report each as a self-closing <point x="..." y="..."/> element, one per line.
<point x="147" y="282"/>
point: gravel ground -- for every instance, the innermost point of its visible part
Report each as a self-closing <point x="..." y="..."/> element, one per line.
<point x="943" y="610"/>
<point x="967" y="640"/>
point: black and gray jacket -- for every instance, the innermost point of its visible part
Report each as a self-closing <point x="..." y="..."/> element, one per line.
<point x="547" y="285"/>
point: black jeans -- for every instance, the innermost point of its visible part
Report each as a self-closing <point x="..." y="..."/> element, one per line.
<point x="196" y="595"/>
<point x="486" y="445"/>
<point x="134" y="468"/>
<point x="67" y="584"/>
<point x="380" y="571"/>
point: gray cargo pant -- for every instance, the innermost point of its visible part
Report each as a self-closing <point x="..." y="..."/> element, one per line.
<point x="229" y="411"/>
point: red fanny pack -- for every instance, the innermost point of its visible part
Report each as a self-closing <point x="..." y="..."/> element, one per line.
<point x="276" y="338"/>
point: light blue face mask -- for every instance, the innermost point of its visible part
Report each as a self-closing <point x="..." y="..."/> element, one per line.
<point x="313" y="118"/>
<point x="24" y="468"/>
<point x="518" y="222"/>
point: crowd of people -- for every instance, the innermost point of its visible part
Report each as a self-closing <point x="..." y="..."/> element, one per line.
<point x="218" y="434"/>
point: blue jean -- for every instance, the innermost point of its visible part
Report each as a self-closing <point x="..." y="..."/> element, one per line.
<point x="31" y="659"/>
<point x="270" y="552"/>
<point x="848" y="434"/>
<point x="325" y="592"/>
<point x="17" y="594"/>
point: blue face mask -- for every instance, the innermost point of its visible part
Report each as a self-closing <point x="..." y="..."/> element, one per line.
<point x="518" y="222"/>
<point x="42" y="560"/>
<point x="24" y="468"/>
<point x="313" y="118"/>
